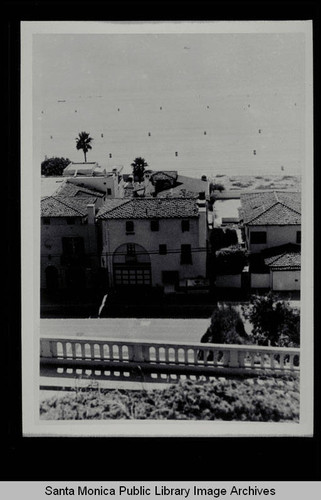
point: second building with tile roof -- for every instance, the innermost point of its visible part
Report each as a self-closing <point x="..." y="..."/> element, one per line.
<point x="270" y="218"/>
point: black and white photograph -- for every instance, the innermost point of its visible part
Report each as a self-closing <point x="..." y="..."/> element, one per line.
<point x="167" y="242"/>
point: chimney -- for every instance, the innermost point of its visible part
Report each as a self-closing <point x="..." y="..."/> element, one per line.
<point x="201" y="201"/>
<point x="201" y="204"/>
<point x="91" y="212"/>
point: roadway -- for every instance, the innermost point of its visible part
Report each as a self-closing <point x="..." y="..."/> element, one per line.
<point x="155" y="329"/>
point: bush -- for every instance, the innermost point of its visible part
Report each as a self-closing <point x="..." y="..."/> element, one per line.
<point x="262" y="399"/>
<point x="222" y="238"/>
<point x="226" y="327"/>
<point x="274" y="321"/>
<point x="230" y="260"/>
<point x="54" y="166"/>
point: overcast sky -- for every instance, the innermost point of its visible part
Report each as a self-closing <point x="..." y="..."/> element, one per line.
<point x="210" y="102"/>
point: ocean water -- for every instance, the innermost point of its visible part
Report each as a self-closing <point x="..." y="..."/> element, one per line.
<point x="196" y="135"/>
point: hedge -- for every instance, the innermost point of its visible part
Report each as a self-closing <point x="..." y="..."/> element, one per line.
<point x="260" y="399"/>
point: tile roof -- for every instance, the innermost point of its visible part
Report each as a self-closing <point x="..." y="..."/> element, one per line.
<point x="271" y="208"/>
<point x="70" y="189"/>
<point x="56" y="206"/>
<point x="148" y="208"/>
<point x="177" y="192"/>
<point x="285" y="257"/>
<point x="164" y="174"/>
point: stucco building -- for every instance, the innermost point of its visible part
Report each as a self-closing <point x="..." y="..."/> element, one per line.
<point x="69" y="240"/>
<point x="153" y="242"/>
<point x="272" y="228"/>
<point x="92" y="176"/>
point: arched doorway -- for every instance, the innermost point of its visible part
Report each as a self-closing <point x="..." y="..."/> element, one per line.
<point x="131" y="266"/>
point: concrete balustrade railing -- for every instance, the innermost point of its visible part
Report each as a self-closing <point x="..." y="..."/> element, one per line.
<point x="197" y="357"/>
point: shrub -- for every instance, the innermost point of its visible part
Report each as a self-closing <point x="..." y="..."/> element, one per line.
<point x="226" y="327"/>
<point x="262" y="399"/>
<point x="222" y="238"/>
<point x="54" y="166"/>
<point x="230" y="260"/>
<point x="274" y="321"/>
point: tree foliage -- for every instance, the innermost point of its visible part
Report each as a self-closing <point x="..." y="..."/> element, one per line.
<point x="83" y="141"/>
<point x="222" y="238"/>
<point x="226" y="327"/>
<point x="138" y="166"/>
<point x="54" y="166"/>
<point x="230" y="260"/>
<point x="273" y="320"/>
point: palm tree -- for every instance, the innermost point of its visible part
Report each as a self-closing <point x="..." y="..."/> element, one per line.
<point x="139" y="165"/>
<point x="83" y="142"/>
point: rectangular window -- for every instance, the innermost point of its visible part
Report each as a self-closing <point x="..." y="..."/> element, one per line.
<point x="258" y="237"/>
<point x="298" y="237"/>
<point x="71" y="220"/>
<point x="186" y="254"/>
<point x="46" y="221"/>
<point x="162" y="249"/>
<point x="73" y="249"/>
<point x="185" y="225"/>
<point x="129" y="226"/>
<point x="109" y="191"/>
<point x="73" y="246"/>
<point x="154" y="225"/>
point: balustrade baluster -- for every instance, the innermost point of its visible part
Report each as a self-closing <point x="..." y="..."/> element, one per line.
<point x="73" y="350"/>
<point x="282" y="356"/>
<point x="226" y="358"/>
<point x="195" y="356"/>
<point x="185" y="356"/>
<point x="272" y="361"/>
<point x="64" y="349"/>
<point x="241" y="359"/>
<point x="262" y="360"/>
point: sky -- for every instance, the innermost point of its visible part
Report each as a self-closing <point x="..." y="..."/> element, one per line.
<point x="209" y="103"/>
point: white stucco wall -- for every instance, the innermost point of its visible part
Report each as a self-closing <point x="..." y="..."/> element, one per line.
<point x="170" y="234"/>
<point x="101" y="184"/>
<point x="259" y="280"/>
<point x="51" y="244"/>
<point x="275" y="236"/>
<point x="286" y="280"/>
